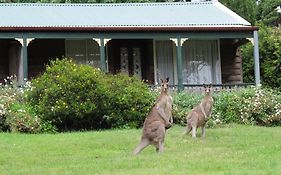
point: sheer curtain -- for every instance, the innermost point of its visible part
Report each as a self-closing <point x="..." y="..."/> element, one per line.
<point x="83" y="51"/>
<point x="201" y="62"/>
<point x="165" y="60"/>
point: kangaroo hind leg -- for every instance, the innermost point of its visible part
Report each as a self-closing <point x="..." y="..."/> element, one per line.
<point x="144" y="143"/>
<point x="187" y="130"/>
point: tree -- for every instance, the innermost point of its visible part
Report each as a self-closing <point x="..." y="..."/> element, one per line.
<point x="268" y="12"/>
<point x="270" y="57"/>
<point x="245" y="8"/>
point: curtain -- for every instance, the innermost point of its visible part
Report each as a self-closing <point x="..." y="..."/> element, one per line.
<point x="165" y="60"/>
<point x="83" y="52"/>
<point x="201" y="62"/>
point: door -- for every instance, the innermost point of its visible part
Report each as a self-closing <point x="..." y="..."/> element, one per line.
<point x="130" y="61"/>
<point x="132" y="56"/>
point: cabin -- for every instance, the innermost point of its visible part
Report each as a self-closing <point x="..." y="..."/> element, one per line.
<point x="193" y="43"/>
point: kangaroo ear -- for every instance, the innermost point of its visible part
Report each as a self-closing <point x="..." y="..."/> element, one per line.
<point x="161" y="80"/>
<point x="204" y="85"/>
<point x="167" y="79"/>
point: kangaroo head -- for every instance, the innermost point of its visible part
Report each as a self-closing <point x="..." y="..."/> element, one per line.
<point x="165" y="85"/>
<point x="207" y="89"/>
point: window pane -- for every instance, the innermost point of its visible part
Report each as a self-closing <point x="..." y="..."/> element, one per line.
<point x="76" y="49"/>
<point x="83" y="52"/>
<point x="93" y="53"/>
<point x="165" y="60"/>
<point x="200" y="62"/>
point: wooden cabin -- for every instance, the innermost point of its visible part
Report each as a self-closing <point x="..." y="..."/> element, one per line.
<point x="191" y="42"/>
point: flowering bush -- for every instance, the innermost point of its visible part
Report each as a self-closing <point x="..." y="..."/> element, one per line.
<point x="21" y="118"/>
<point x="264" y="108"/>
<point x="74" y="97"/>
<point x="228" y="104"/>
<point x="246" y="106"/>
<point x="9" y="93"/>
<point x="15" y="114"/>
<point x="183" y="103"/>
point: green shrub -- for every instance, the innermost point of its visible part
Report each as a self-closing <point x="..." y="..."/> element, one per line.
<point x="67" y="94"/>
<point x="9" y="94"/>
<point x="270" y="58"/>
<point x="183" y="102"/>
<point x="263" y="108"/>
<point x="246" y="106"/>
<point x="228" y="104"/>
<point x="75" y="97"/>
<point x="130" y="101"/>
<point x="21" y="118"/>
<point x="15" y="114"/>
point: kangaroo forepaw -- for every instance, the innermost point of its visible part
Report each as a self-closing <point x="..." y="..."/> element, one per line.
<point x="169" y="125"/>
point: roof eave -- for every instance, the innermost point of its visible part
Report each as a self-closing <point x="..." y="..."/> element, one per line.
<point x="129" y="29"/>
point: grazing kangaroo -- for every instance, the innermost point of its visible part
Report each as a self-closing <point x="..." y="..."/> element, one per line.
<point x="157" y="121"/>
<point x="200" y="114"/>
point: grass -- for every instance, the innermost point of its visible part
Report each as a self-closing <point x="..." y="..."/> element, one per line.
<point x="234" y="149"/>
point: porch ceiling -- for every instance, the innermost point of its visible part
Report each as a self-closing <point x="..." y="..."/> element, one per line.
<point x="181" y="16"/>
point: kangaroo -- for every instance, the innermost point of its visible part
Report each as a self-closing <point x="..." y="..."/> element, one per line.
<point x="200" y="114"/>
<point x="157" y="121"/>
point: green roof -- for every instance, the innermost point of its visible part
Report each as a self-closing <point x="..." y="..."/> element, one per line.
<point x="152" y="15"/>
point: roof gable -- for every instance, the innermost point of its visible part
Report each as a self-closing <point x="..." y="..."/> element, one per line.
<point x="118" y="15"/>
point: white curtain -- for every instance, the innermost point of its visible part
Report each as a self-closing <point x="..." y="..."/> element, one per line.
<point x="165" y="60"/>
<point x="83" y="51"/>
<point x="201" y="62"/>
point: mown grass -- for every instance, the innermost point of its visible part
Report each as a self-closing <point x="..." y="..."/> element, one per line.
<point x="234" y="149"/>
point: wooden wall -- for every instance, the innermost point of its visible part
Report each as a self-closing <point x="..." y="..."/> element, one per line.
<point x="231" y="62"/>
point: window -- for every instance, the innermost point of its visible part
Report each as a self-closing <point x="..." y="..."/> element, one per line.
<point x="83" y="51"/>
<point x="201" y="62"/>
<point x="165" y="60"/>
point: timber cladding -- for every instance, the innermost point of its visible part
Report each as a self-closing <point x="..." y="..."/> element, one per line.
<point x="231" y="63"/>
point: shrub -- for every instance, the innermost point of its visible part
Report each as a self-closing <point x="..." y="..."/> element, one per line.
<point x="75" y="97"/>
<point x="130" y="101"/>
<point x="9" y="93"/>
<point x="228" y="104"/>
<point x="15" y="114"/>
<point x="270" y="58"/>
<point x="263" y="108"/>
<point x="67" y="93"/>
<point x="183" y="103"/>
<point x="21" y="118"/>
<point x="246" y="106"/>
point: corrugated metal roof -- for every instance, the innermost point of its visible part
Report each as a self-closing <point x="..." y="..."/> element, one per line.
<point x="136" y="15"/>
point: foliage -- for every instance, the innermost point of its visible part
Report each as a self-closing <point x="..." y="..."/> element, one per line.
<point x="75" y="97"/>
<point x="9" y="93"/>
<point x="267" y="12"/>
<point x="246" y="8"/>
<point x="67" y="93"/>
<point x="15" y="114"/>
<point x="264" y="108"/>
<point x="21" y="118"/>
<point x="245" y="106"/>
<point x="182" y="103"/>
<point x="130" y="101"/>
<point x="270" y="58"/>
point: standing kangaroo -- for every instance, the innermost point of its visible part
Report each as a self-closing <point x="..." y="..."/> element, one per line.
<point x="157" y="121"/>
<point x="200" y="114"/>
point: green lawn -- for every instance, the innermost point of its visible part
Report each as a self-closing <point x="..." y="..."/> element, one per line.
<point x="234" y="149"/>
